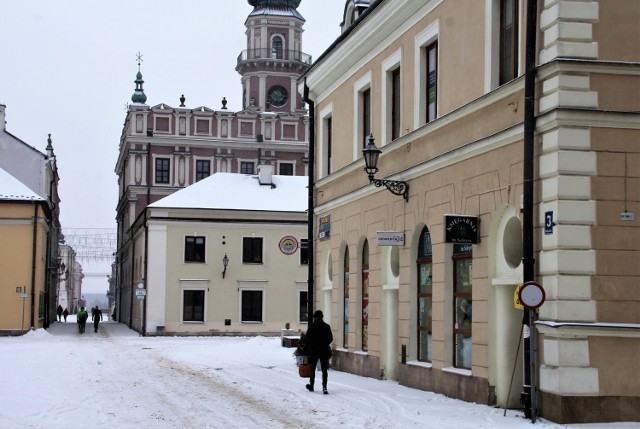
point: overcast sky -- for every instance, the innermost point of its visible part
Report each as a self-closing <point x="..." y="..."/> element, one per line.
<point x="67" y="68"/>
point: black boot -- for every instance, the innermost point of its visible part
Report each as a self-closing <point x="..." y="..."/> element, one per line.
<point x="309" y="387"/>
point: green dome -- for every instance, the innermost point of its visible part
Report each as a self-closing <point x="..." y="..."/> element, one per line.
<point x="139" y="95"/>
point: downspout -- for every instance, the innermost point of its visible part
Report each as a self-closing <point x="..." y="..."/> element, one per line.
<point x="33" y="262"/>
<point x="310" y="206"/>
<point x="146" y="278"/>
<point x="529" y="391"/>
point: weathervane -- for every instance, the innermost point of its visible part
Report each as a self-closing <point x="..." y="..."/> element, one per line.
<point x="139" y="59"/>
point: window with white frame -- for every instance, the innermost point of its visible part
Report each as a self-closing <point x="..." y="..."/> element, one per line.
<point x="326" y="141"/>
<point x="247" y="167"/>
<point x="304" y="251"/>
<point x="392" y="98"/>
<point x="252" y="248"/>
<point x="203" y="169"/>
<point x="251" y="305"/>
<point x="303" y="316"/>
<point x="508" y="40"/>
<point x="426" y="75"/>
<point x="362" y="112"/>
<point x="194" y="249"/>
<point x="285" y="168"/>
<point x="162" y="170"/>
<point x="425" y="297"/>
<point x="462" y="304"/>
<point x="277" y="48"/>
<point x="193" y="302"/>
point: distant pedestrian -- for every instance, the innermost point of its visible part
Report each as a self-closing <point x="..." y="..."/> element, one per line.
<point x="318" y="347"/>
<point x="97" y="318"/>
<point x="82" y="317"/>
<point x="65" y="313"/>
<point x="59" y="312"/>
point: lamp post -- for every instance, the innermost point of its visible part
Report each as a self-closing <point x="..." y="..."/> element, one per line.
<point x="225" y="262"/>
<point x="371" y="154"/>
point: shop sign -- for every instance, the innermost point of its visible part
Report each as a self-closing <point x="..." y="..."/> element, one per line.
<point x="461" y="229"/>
<point x="324" y="229"/>
<point x="390" y="238"/>
<point x="288" y="245"/>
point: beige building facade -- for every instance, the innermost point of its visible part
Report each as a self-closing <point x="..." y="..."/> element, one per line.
<point x="421" y="289"/>
<point x="225" y="256"/>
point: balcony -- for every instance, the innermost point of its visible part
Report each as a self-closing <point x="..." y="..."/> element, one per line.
<point x="269" y="55"/>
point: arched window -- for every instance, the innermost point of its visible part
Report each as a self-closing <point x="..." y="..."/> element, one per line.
<point x="276" y="48"/>
<point x="345" y="325"/>
<point x="365" y="296"/>
<point x="462" y="282"/>
<point x="425" y="296"/>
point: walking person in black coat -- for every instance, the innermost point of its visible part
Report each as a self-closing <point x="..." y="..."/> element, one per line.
<point x="318" y="347"/>
<point x="97" y="318"/>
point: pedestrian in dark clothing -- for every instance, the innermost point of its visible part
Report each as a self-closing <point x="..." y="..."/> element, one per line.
<point x="65" y="313"/>
<point x="59" y="312"/>
<point x="318" y="347"/>
<point x="97" y="318"/>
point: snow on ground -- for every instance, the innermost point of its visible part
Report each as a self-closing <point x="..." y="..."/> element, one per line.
<point x="57" y="378"/>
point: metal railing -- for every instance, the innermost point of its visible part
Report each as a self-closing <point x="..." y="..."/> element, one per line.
<point x="274" y="54"/>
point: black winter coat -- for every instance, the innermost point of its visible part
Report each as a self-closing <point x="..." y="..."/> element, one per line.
<point x="318" y="339"/>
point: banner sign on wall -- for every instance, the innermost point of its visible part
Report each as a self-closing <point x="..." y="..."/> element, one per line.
<point x="324" y="229"/>
<point x="461" y="229"/>
<point x="390" y="238"/>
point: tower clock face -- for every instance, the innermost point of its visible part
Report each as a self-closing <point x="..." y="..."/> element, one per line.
<point x="277" y="96"/>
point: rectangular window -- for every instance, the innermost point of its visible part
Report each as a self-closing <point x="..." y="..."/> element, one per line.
<point x="366" y="115"/>
<point x="162" y="124"/>
<point x="203" y="169"/>
<point x="462" y="301"/>
<point x="252" y="250"/>
<point x="508" y="40"/>
<point x="395" y="104"/>
<point x="304" y="251"/>
<point x="202" y="126"/>
<point x="194" y="249"/>
<point x="193" y="306"/>
<point x="286" y="169"/>
<point x="328" y="136"/>
<point x="251" y="306"/>
<point x="162" y="170"/>
<point x="246" y="167"/>
<point x="302" y="306"/>
<point x="432" y="81"/>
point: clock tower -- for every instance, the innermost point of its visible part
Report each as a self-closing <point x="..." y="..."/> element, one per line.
<point x="273" y="60"/>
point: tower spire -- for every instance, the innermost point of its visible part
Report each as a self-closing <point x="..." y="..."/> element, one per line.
<point x="139" y="95"/>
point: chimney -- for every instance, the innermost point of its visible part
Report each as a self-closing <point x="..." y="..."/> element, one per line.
<point x="265" y="175"/>
<point x="3" y="124"/>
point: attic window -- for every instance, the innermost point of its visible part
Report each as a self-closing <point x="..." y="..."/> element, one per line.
<point x="162" y="124"/>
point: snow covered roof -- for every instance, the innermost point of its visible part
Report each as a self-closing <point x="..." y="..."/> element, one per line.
<point x="13" y="189"/>
<point x="234" y="191"/>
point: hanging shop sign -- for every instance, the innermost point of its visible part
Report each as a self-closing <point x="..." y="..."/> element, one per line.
<point x="461" y="229"/>
<point x="390" y="238"/>
<point x="288" y="245"/>
<point x="324" y="229"/>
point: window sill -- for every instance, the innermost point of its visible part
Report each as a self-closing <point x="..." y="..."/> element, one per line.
<point x="192" y="322"/>
<point x="420" y="364"/>
<point x="361" y="352"/>
<point x="459" y="371"/>
<point x="250" y="322"/>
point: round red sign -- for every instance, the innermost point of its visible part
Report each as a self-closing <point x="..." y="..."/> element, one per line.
<point x="531" y="295"/>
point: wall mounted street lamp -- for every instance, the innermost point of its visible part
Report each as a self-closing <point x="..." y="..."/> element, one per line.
<point x="225" y="262"/>
<point x="60" y="270"/>
<point x="371" y="154"/>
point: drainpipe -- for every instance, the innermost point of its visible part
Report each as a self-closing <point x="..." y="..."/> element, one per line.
<point x="528" y="395"/>
<point x="310" y="249"/>
<point x="146" y="278"/>
<point x="33" y="262"/>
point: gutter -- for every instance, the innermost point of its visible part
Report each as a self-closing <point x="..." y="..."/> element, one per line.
<point x="33" y="262"/>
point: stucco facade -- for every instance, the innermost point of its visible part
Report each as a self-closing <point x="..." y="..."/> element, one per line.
<point x="426" y="80"/>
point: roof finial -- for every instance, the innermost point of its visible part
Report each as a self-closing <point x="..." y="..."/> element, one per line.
<point x="139" y="58"/>
<point x="139" y="95"/>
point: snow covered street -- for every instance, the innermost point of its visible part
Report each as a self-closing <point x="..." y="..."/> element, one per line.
<point x="58" y="378"/>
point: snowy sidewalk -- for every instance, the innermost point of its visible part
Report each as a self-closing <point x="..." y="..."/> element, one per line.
<point x="118" y="379"/>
